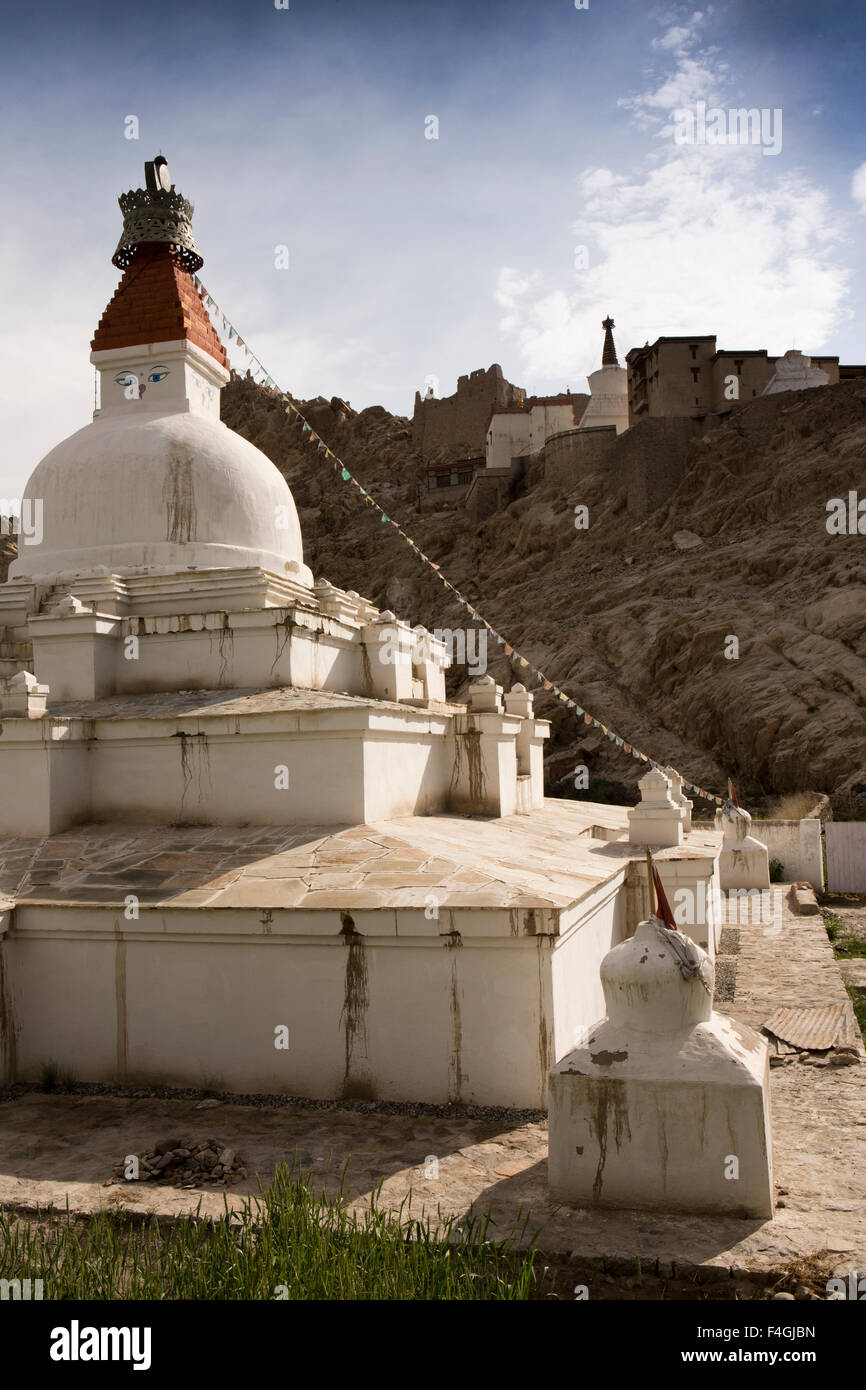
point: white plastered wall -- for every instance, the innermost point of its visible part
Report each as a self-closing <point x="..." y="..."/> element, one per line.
<point x="194" y="997"/>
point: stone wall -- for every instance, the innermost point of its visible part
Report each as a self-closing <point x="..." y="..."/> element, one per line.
<point x="649" y="460"/>
<point x="492" y="489"/>
<point x="797" y="844"/>
<point x="456" y="426"/>
<point x="573" y="453"/>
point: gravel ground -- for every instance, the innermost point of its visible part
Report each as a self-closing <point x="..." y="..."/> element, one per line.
<point x="850" y="908"/>
<point x="273" y="1102"/>
<point x="726" y="980"/>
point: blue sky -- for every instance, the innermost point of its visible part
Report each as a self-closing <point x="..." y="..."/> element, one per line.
<point x="410" y="257"/>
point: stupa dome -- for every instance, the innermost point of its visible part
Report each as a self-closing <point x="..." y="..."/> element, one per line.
<point x="164" y="491"/>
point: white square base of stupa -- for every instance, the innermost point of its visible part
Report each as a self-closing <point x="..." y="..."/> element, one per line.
<point x="438" y="958"/>
<point x="671" y="1122"/>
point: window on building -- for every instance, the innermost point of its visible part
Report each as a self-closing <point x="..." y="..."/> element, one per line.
<point x="738" y="366"/>
<point x="693" y="347"/>
<point x="696" y="374"/>
<point x="443" y="480"/>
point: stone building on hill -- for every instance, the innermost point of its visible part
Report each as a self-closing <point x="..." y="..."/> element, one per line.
<point x="690" y="378"/>
<point x="456" y="426"/>
<point x="518" y="432"/>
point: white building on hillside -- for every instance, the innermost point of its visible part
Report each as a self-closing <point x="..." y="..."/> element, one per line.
<point x="519" y="431"/>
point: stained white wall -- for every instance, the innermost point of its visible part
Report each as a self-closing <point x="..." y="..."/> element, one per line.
<point x="413" y="1010"/>
<point x="798" y="846"/>
<point x="507" y="437"/>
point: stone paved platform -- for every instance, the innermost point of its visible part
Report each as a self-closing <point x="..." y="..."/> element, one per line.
<point x="52" y="1147"/>
<point x="548" y="860"/>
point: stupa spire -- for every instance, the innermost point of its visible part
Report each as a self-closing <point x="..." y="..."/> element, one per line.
<point x="157" y="213"/>
<point x="156" y="300"/>
<point x="608" y="356"/>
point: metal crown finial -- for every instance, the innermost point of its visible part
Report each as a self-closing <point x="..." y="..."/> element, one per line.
<point x="158" y="213"/>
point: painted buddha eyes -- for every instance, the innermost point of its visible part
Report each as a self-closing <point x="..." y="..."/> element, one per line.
<point x="128" y="379"/>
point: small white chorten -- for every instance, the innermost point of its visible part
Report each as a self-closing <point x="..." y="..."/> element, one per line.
<point x="666" y="1105"/>
<point x="744" y="862"/>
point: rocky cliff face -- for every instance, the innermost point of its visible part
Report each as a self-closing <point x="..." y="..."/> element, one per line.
<point x="634" y="619"/>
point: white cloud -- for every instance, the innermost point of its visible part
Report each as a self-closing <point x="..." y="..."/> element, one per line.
<point x="677" y="36"/>
<point x="698" y="75"/>
<point x="858" y="187"/>
<point x="510" y="293"/>
<point x="702" y="239"/>
<point x="674" y="37"/>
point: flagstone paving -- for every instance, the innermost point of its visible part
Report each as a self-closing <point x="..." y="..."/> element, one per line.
<point x="57" y="1146"/>
<point x="548" y="860"/>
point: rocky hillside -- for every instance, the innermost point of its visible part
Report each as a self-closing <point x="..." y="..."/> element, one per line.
<point x="635" y="620"/>
<point x="8" y="551"/>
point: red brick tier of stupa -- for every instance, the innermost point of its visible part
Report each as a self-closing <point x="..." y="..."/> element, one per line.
<point x="157" y="302"/>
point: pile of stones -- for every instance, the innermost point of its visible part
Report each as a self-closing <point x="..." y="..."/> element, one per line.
<point x="186" y="1163"/>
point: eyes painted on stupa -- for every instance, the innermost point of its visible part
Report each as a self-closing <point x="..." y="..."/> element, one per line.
<point x="209" y="389"/>
<point x="133" y="387"/>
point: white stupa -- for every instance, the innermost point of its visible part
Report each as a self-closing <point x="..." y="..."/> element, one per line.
<point x="608" y="402"/>
<point x="236" y="798"/>
<point x="794" y="372"/>
<point x="157" y="484"/>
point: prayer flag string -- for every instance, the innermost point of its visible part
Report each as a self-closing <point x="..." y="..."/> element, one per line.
<point x="308" y="435"/>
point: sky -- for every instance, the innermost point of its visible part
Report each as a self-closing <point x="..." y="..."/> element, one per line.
<point x="565" y="182"/>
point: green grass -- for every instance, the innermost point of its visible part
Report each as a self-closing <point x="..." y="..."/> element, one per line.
<point x="859" y="1005"/>
<point x="845" y="946"/>
<point x="833" y="924"/>
<point x="295" y="1243"/>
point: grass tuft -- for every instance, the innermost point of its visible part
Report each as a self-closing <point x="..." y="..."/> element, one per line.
<point x="293" y="1243"/>
<point x="49" y="1075"/>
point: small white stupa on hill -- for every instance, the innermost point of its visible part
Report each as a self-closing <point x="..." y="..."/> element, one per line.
<point x="237" y="804"/>
<point x="608" y="401"/>
<point x="794" y="372"/>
